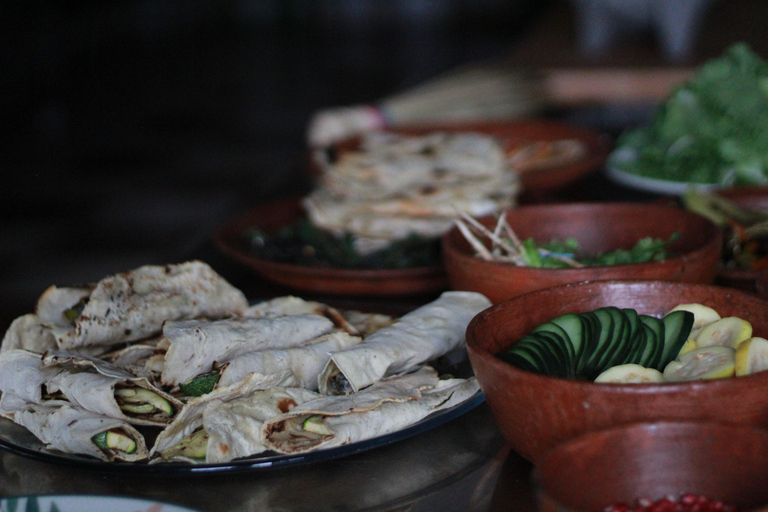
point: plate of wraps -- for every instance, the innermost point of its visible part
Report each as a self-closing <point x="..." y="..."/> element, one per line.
<point x="170" y="369"/>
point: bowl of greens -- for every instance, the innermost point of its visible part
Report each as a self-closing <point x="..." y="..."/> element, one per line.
<point x="277" y="242"/>
<point x="538" y="246"/>
<point x="710" y="131"/>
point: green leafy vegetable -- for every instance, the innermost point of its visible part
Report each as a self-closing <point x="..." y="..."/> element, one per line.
<point x="710" y="130"/>
<point x="302" y="243"/>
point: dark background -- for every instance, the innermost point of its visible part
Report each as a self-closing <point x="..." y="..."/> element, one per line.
<point x="136" y="128"/>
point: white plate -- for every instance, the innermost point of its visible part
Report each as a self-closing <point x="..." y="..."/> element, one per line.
<point x="86" y="503"/>
<point x="654" y="185"/>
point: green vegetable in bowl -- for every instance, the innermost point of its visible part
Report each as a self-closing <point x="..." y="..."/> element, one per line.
<point x="710" y="130"/>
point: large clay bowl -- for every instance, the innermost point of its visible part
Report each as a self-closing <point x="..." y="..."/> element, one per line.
<point x="652" y="461"/>
<point x="598" y="227"/>
<point x="535" y="412"/>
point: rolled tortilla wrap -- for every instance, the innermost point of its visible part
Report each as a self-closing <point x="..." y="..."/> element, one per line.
<point x="384" y="407"/>
<point x="133" y="305"/>
<point x="196" y="345"/>
<point x="70" y="429"/>
<point x="23" y="374"/>
<point x="28" y="333"/>
<point x="305" y="363"/>
<point x="420" y="336"/>
<point x="225" y="423"/>
<point x="102" y="387"/>
<point x="290" y="305"/>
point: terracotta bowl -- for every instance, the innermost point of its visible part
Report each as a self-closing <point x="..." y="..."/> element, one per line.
<point x="598" y="227"/>
<point x="751" y="198"/>
<point x="535" y="412"/>
<point x="271" y="217"/>
<point x="653" y="461"/>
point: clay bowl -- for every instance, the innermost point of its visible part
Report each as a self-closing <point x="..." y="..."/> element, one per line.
<point x="598" y="227"/>
<point x="270" y="217"/>
<point x="750" y="198"/>
<point x="653" y="461"/>
<point x="535" y="412"/>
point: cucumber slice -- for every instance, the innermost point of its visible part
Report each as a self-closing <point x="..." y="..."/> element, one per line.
<point x="677" y="328"/>
<point x="574" y="348"/>
<point x="532" y="353"/>
<point x="621" y="348"/>
<point x="604" y="347"/>
<point x="549" y="360"/>
<point x="115" y="441"/>
<point x="316" y="424"/>
<point x="636" y="340"/>
<point x="522" y="359"/>
<point x="651" y="344"/>
<point x="657" y="326"/>
<point x="562" y="350"/>
<point x="573" y="325"/>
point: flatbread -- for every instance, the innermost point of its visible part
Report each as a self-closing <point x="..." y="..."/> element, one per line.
<point x="422" y="335"/>
<point x="134" y="305"/>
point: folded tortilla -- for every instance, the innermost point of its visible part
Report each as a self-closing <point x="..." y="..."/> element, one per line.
<point x="102" y="387"/>
<point x="304" y="363"/>
<point x="28" y="333"/>
<point x="227" y="421"/>
<point x="133" y="305"/>
<point x="23" y="374"/>
<point x="420" y="336"/>
<point x="71" y="429"/>
<point x="194" y="346"/>
<point x="385" y="407"/>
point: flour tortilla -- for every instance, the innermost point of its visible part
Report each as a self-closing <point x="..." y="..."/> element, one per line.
<point x="132" y="305"/>
<point x="385" y="407"/>
<point x="69" y="429"/>
<point x="290" y="305"/>
<point x="196" y="345"/>
<point x="23" y="374"/>
<point x="304" y="363"/>
<point x="420" y="336"/>
<point x="232" y="416"/>
<point x="28" y="333"/>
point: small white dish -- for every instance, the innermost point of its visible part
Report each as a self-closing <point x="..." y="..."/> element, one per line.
<point x="86" y="503"/>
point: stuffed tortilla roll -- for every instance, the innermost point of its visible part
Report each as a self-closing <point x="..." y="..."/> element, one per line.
<point x="420" y="336"/>
<point x="71" y="429"/>
<point x="384" y="407"/>
<point x="304" y="363"/>
<point x="132" y="305"/>
<point x="225" y="424"/>
<point x="22" y="373"/>
<point x="103" y="388"/>
<point x="194" y="346"/>
<point x="28" y="333"/>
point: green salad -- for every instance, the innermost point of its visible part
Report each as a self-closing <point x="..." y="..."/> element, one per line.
<point x="712" y="129"/>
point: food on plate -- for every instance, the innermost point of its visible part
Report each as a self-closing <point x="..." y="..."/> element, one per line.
<point x="133" y="305"/>
<point x="613" y="345"/>
<point x="396" y="186"/>
<point x="745" y="230"/>
<point x="420" y="336"/>
<point x="200" y="385"/>
<point x="710" y="130"/>
<point x="502" y="245"/>
<point x="381" y="408"/>
<point x="70" y="429"/>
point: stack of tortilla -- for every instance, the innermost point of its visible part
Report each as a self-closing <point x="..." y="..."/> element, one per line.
<point x="175" y="351"/>
<point x="395" y="185"/>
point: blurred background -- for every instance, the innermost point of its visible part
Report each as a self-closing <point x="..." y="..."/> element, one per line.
<point x="139" y="127"/>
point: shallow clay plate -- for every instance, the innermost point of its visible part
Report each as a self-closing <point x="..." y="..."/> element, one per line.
<point x="320" y="280"/>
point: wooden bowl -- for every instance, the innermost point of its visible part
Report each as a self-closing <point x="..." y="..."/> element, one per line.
<point x="598" y="227"/>
<point x="511" y="133"/>
<point x="751" y="198"/>
<point x="535" y="412"/>
<point x="653" y="461"/>
<point x="320" y="280"/>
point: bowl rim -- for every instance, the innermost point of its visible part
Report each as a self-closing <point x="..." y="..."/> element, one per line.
<point x="452" y="249"/>
<point x="476" y="350"/>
